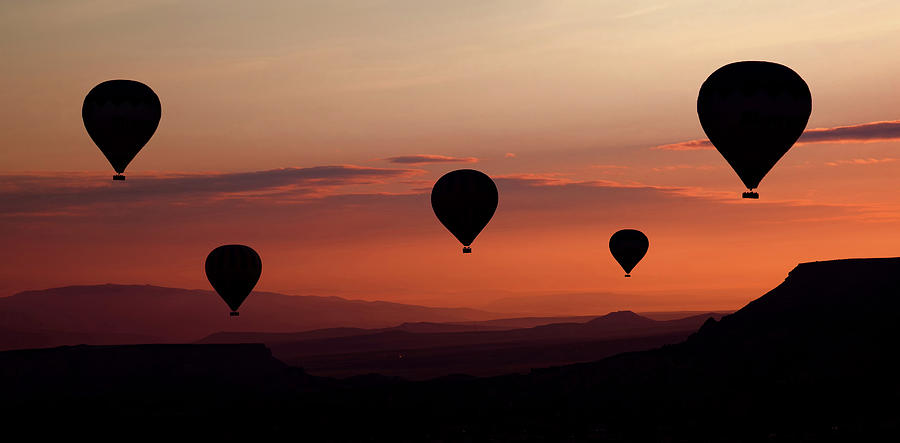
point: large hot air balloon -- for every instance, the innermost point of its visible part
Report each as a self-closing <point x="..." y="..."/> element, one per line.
<point x="121" y="116"/>
<point x="628" y="247"/>
<point x="464" y="201"/>
<point x="753" y="112"/>
<point x="233" y="271"/>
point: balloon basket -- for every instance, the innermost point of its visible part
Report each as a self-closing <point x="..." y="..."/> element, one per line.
<point x="467" y="250"/>
<point x="118" y="177"/>
<point x="751" y="194"/>
<point x="234" y="314"/>
<point x="627" y="275"/>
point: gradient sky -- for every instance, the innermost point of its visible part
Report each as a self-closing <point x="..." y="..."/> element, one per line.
<point x="313" y="131"/>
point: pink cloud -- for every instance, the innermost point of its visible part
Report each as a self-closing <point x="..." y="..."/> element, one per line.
<point x="536" y="179"/>
<point x="421" y="159"/>
<point x="691" y="145"/>
<point x="620" y="167"/>
<point x="861" y="161"/>
<point x="65" y="193"/>
<point x="683" y="167"/>
<point x="862" y="133"/>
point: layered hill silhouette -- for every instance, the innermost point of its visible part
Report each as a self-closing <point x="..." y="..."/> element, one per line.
<point x="143" y="314"/>
<point x="426" y="350"/>
<point x="812" y="360"/>
<point x="620" y="322"/>
<point x="126" y="314"/>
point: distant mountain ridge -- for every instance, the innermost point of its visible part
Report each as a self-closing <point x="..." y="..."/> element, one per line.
<point x="113" y="314"/>
<point x="121" y="314"/>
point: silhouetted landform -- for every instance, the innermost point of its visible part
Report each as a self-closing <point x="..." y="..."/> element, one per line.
<point x="479" y="359"/>
<point x="675" y="315"/>
<point x="575" y="304"/>
<point x="14" y="339"/>
<point x="530" y="322"/>
<point x="812" y="360"/>
<point x="270" y="338"/>
<point x="131" y="314"/>
<point x="236" y="363"/>
<point x="500" y="324"/>
<point x="421" y="351"/>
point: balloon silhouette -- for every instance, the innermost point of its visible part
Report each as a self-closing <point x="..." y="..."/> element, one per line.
<point x="753" y="112"/>
<point x="233" y="271"/>
<point x="464" y="201"/>
<point x="121" y="116"/>
<point x="628" y="247"/>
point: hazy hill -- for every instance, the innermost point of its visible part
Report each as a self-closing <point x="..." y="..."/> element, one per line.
<point x="425" y="350"/>
<point x="116" y="314"/>
<point x="282" y="337"/>
<point x="500" y="324"/>
<point x="566" y="304"/>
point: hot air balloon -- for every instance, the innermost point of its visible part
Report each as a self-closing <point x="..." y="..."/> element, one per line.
<point x="233" y="271"/>
<point x="628" y="247"/>
<point x="464" y="201"/>
<point x="753" y="112"/>
<point x="121" y="116"/>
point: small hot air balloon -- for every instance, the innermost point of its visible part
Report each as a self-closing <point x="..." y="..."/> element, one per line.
<point x="753" y="112"/>
<point x="628" y="247"/>
<point x="121" y="116"/>
<point x="464" y="201"/>
<point x="233" y="271"/>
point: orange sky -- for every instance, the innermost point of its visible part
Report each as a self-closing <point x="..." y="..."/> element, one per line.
<point x="565" y="102"/>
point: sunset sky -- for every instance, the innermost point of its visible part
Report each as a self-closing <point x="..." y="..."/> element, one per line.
<point x="313" y="131"/>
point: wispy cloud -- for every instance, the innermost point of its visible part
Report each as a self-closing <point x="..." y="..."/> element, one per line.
<point x="535" y="179"/>
<point x="627" y="192"/>
<point x="690" y="145"/>
<point x="670" y="168"/>
<point x="862" y="133"/>
<point x="608" y="167"/>
<point x="862" y="161"/>
<point x="549" y="180"/>
<point x="63" y="193"/>
<point x="421" y="159"/>
<point x="872" y="132"/>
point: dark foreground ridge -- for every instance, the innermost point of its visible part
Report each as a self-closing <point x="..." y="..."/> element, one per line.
<point x="812" y="360"/>
<point x="234" y="363"/>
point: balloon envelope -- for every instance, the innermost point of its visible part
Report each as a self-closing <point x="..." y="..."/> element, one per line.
<point x="464" y="201"/>
<point x="753" y="112"/>
<point x="121" y="116"/>
<point x="233" y="271"/>
<point x="628" y="247"/>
